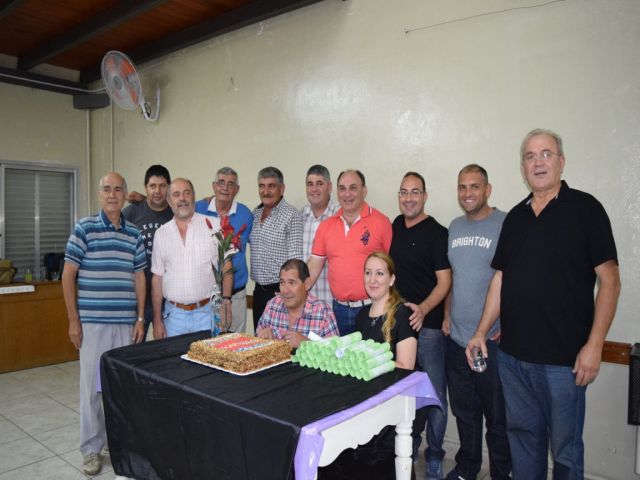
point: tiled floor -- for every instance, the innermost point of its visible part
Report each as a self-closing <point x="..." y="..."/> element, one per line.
<point x="39" y="429"/>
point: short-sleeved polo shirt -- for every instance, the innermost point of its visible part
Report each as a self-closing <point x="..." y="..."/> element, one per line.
<point x="548" y="277"/>
<point x="347" y="248"/>
<point x="107" y="258"/>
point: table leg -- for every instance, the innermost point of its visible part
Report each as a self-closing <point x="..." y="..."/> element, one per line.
<point x="404" y="440"/>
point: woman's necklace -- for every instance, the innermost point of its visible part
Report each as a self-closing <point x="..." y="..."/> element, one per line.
<point x="374" y="320"/>
<point x="376" y="307"/>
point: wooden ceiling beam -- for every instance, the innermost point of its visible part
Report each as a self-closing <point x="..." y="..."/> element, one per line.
<point x="234" y="19"/>
<point x="92" y="27"/>
<point x="41" y="82"/>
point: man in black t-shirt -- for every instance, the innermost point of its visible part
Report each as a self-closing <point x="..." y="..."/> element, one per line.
<point x="552" y="248"/>
<point x="149" y="215"/>
<point x="423" y="278"/>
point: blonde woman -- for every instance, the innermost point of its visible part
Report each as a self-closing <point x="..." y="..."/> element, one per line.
<point x="387" y="319"/>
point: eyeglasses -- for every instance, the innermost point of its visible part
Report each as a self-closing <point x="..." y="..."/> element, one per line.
<point x="543" y="155"/>
<point x="221" y="183"/>
<point x="410" y="193"/>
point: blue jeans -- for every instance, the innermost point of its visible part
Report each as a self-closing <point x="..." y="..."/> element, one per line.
<point x="544" y="406"/>
<point x="431" y="356"/>
<point x="345" y="317"/>
<point x="178" y="321"/>
<point x="473" y="396"/>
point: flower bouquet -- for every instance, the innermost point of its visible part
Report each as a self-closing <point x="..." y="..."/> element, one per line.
<point x="228" y="241"/>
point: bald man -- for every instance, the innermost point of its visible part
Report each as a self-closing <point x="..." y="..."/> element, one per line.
<point x="106" y="311"/>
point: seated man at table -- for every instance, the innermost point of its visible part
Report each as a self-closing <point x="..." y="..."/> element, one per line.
<point x="294" y="313"/>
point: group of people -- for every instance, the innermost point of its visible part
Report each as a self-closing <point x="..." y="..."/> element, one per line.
<point x="518" y="287"/>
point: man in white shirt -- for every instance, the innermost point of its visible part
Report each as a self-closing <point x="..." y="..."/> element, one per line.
<point x="184" y="253"/>
<point x="319" y="208"/>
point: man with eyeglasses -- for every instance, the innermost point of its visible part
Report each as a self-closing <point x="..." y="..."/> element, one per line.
<point x="345" y="240"/>
<point x="223" y="203"/>
<point x="423" y="278"/>
<point x="553" y="247"/>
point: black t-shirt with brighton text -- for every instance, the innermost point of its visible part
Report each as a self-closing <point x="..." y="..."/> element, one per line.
<point x="418" y="252"/>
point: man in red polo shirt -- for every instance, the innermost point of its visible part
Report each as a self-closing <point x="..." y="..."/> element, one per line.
<point x="345" y="240"/>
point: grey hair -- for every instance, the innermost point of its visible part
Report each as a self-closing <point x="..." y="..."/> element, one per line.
<point x="319" y="170"/>
<point x="229" y="171"/>
<point x="541" y="131"/>
<point x="271" y="172"/>
<point x="124" y="182"/>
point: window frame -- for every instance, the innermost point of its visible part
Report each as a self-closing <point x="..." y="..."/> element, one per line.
<point x="36" y="167"/>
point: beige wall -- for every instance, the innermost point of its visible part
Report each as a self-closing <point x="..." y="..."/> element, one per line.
<point x="341" y="83"/>
<point x="40" y="126"/>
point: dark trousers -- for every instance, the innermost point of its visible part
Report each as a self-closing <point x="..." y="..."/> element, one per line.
<point x="471" y="396"/>
<point x="261" y="295"/>
<point x="148" y="315"/>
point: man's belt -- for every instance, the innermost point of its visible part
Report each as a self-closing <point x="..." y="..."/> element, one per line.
<point x="190" y="306"/>
<point x="355" y="304"/>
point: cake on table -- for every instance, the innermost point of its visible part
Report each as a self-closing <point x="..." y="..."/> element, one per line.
<point x="238" y="352"/>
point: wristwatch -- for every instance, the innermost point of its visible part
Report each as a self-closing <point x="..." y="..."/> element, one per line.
<point x="140" y="319"/>
<point x="226" y="297"/>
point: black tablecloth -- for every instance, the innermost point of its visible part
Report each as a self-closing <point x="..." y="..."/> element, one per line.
<point x="173" y="419"/>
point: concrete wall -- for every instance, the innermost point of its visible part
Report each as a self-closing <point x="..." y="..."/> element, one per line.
<point x="342" y="83"/>
<point x="41" y="126"/>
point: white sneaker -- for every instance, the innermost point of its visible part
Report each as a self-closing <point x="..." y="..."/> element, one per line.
<point x="91" y="464"/>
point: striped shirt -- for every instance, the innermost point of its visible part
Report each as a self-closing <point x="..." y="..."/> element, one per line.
<point x="186" y="267"/>
<point x="107" y="259"/>
<point x="311" y="223"/>
<point x="274" y="241"/>
<point x="316" y="317"/>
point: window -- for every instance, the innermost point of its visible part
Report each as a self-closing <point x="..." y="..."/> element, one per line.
<point x="37" y="213"/>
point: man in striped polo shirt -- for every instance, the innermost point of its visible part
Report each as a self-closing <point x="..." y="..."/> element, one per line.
<point x="107" y="255"/>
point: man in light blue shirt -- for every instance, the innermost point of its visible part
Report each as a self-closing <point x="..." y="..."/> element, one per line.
<point x="225" y="188"/>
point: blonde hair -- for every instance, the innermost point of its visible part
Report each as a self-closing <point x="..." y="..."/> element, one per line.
<point x="394" y="300"/>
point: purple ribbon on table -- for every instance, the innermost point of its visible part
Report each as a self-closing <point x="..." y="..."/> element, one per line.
<point x="311" y="442"/>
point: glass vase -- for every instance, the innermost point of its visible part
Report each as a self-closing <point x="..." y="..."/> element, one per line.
<point x="215" y="316"/>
